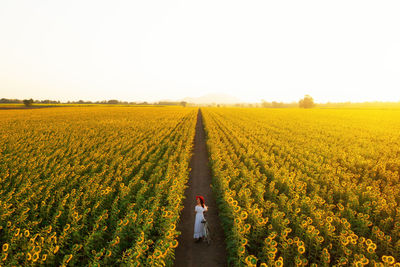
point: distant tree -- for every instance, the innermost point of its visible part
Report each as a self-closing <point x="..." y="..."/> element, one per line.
<point x="10" y="101"/>
<point x="265" y="104"/>
<point x="306" y="102"/>
<point x="183" y="103"/>
<point x="28" y="102"/>
<point x="113" y="101"/>
<point x="277" y="104"/>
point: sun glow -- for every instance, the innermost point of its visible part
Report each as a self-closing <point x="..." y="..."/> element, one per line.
<point x="152" y="50"/>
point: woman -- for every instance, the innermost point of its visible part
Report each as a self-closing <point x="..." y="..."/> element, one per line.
<point x="198" y="226"/>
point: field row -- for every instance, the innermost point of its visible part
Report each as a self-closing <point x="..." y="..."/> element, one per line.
<point x="306" y="187"/>
<point x="92" y="186"/>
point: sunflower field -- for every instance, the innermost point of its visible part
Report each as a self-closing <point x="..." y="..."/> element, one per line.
<point x="314" y="187"/>
<point x="92" y="186"/>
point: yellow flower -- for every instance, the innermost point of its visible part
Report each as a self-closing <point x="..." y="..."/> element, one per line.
<point x="4" y="257"/>
<point x="279" y="262"/>
<point x="66" y="228"/>
<point x="370" y="250"/>
<point x="5" y="247"/>
<point x="69" y="258"/>
<point x="384" y="258"/>
<point x="174" y="243"/>
<point x="344" y="241"/>
<point x="390" y="260"/>
<point x="364" y="261"/>
<point x="251" y="260"/>
<point x="301" y="249"/>
<point x="56" y="249"/>
<point x="157" y="253"/>
<point x="35" y="257"/>
<point x="26" y="233"/>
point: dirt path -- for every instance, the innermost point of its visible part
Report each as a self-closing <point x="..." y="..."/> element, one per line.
<point x="189" y="253"/>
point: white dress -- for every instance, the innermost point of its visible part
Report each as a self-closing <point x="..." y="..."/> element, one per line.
<point x="198" y="226"/>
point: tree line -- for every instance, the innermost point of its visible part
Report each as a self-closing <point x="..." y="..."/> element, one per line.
<point x="30" y="102"/>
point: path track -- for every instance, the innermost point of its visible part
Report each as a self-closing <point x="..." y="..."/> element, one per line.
<point x="188" y="253"/>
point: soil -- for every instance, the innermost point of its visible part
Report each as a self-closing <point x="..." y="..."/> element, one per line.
<point x="189" y="253"/>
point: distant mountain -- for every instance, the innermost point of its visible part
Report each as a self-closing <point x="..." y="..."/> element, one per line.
<point x="213" y="98"/>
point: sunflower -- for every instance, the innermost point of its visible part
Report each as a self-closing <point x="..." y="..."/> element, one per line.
<point x="69" y="258"/>
<point x="35" y="257"/>
<point x="17" y="232"/>
<point x="390" y="260"/>
<point x="301" y="249"/>
<point x="174" y="243"/>
<point x="271" y="255"/>
<point x="4" y="257"/>
<point x="364" y="261"/>
<point x="157" y="253"/>
<point x="344" y="241"/>
<point x="251" y="260"/>
<point x="66" y="228"/>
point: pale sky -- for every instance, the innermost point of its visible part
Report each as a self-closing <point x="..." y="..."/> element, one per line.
<point x="151" y="50"/>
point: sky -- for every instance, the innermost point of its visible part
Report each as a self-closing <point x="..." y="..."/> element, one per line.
<point x="152" y="50"/>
